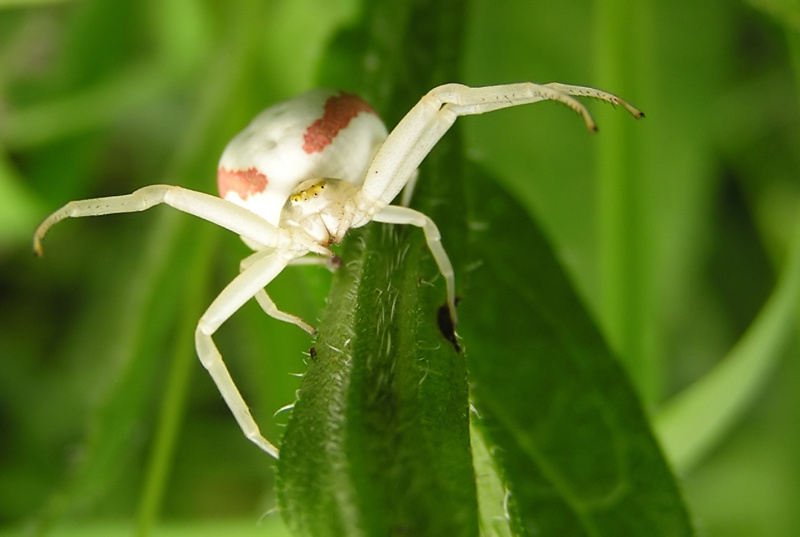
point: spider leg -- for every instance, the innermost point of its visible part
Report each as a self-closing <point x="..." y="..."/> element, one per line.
<point x="269" y="307"/>
<point x="583" y="91"/>
<point x="408" y="190"/>
<point x="424" y="125"/>
<point x="208" y="207"/>
<point x="329" y="262"/>
<point x="246" y="285"/>
<point x="394" y="214"/>
<point x="264" y="300"/>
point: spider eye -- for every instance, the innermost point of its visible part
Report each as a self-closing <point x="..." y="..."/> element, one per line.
<point x="308" y="189"/>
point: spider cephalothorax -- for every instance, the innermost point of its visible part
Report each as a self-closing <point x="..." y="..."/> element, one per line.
<point x="302" y="174"/>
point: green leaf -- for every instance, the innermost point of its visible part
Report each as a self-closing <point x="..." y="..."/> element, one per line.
<point x="695" y="420"/>
<point x="558" y="411"/>
<point x="378" y="442"/>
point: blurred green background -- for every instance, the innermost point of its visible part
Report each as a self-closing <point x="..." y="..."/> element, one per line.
<point x="675" y="243"/>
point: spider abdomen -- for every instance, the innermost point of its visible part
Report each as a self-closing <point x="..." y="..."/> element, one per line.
<point x="320" y="134"/>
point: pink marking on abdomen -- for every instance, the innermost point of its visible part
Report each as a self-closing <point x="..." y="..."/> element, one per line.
<point x="243" y="182"/>
<point x="339" y="110"/>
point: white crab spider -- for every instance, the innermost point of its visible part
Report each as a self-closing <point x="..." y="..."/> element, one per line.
<point x="303" y="173"/>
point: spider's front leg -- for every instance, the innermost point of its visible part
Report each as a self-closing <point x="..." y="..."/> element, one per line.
<point x="205" y="206"/>
<point x="397" y="160"/>
<point x="424" y="125"/>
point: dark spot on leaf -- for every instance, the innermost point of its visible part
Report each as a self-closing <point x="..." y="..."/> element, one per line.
<point x="312" y="352"/>
<point x="446" y="325"/>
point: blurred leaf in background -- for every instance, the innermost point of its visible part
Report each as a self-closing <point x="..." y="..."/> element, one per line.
<point x="677" y="233"/>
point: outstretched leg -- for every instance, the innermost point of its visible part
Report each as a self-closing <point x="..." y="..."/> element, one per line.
<point x="208" y="207"/>
<point x="416" y="134"/>
<point x="393" y="214"/>
<point x="248" y="284"/>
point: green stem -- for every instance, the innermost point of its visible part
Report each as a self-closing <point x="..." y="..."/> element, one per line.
<point x="190" y="151"/>
<point x="624" y="249"/>
<point x="174" y="403"/>
<point x="697" y="419"/>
